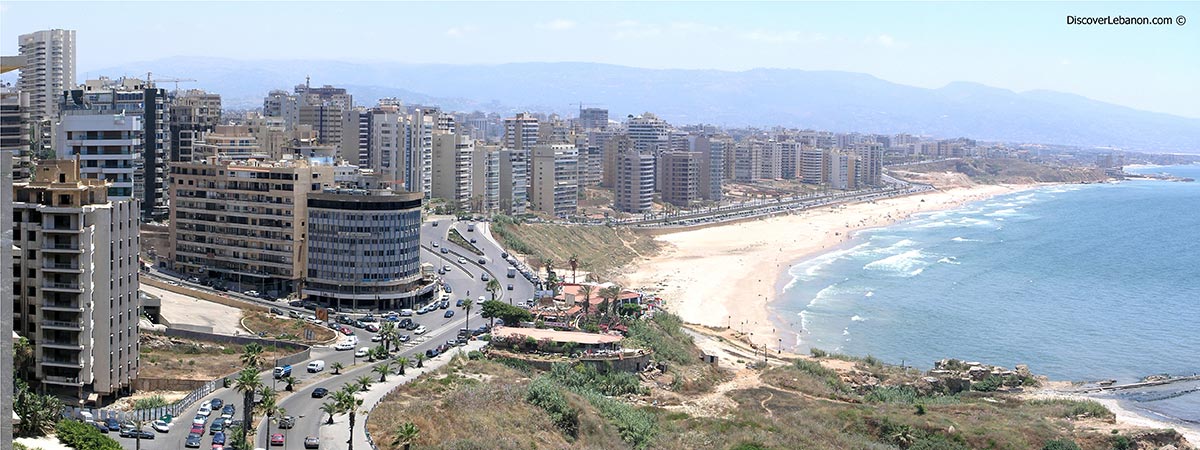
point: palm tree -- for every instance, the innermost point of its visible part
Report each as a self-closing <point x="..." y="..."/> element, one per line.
<point x="401" y="364"/>
<point x="268" y="406"/>
<point x="587" y="290"/>
<point x="383" y="369"/>
<point x="330" y="408"/>
<point x="138" y="424"/>
<point x="291" y="382"/>
<point x="574" y="262"/>
<point x="337" y="368"/>
<point x="247" y="383"/>
<point x="364" y="382"/>
<point x="610" y="295"/>
<point x="252" y="355"/>
<point x="493" y="286"/>
<point x="381" y="352"/>
<point x="420" y="357"/>
<point x="467" y="323"/>
<point x="406" y="434"/>
<point x="349" y="404"/>
<point x="388" y="333"/>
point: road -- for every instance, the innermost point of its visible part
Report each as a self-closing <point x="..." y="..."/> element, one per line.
<point x="463" y="277"/>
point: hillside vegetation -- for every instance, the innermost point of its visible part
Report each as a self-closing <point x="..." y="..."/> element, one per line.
<point x="999" y="171"/>
<point x="818" y="403"/>
<point x="600" y="249"/>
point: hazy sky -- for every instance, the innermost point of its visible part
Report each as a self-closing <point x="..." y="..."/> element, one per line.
<point x="1018" y="46"/>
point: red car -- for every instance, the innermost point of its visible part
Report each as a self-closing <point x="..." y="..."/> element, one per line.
<point x="198" y="429"/>
<point x="276" y="439"/>
<point x="346" y="331"/>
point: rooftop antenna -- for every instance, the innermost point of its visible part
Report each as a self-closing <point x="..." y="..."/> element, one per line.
<point x="306" y="82"/>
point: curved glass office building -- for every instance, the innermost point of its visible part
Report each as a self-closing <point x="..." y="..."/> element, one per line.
<point x="364" y="250"/>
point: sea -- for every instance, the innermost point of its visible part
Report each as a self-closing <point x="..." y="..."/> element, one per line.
<point x="1080" y="282"/>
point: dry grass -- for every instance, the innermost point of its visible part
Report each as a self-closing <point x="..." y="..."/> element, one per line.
<point x="600" y="249"/>
<point x="291" y="330"/>
<point x="195" y="360"/>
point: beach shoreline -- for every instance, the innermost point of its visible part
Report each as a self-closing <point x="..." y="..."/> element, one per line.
<point x="727" y="275"/>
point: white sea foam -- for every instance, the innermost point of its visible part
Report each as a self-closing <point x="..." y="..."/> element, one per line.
<point x="905" y="264"/>
<point x="949" y="260"/>
<point x="869" y="294"/>
<point x="963" y="239"/>
<point x="846" y="331"/>
<point x="826" y="292"/>
<point x="1003" y="212"/>
<point x="858" y="318"/>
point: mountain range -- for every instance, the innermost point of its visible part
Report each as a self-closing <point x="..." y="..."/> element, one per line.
<point x="827" y="100"/>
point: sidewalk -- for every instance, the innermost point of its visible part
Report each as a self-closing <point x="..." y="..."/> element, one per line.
<point x="335" y="435"/>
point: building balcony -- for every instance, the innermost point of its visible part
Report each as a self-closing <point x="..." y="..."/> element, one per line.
<point x="61" y="248"/>
<point x="61" y="306"/>
<point x="62" y="325"/>
<point x="65" y="381"/>
<point x="62" y="345"/>
<point x="60" y="229"/>
<point x="62" y="287"/>
<point x="62" y="268"/>
<point x="72" y="364"/>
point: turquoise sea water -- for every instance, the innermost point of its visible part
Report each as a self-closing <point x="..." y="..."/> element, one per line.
<point x="1080" y="282"/>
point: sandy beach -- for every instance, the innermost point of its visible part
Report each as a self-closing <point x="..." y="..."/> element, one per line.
<point x="726" y="275"/>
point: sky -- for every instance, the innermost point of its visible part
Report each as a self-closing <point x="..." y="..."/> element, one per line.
<point x="1018" y="46"/>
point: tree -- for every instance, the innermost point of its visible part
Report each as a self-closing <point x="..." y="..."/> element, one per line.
<point x="337" y="368"/>
<point x="1064" y="444"/>
<point x="401" y="364"/>
<point x="38" y="412"/>
<point x="586" y="291"/>
<point x="420" y="358"/>
<point x="22" y="357"/>
<point x="252" y="355"/>
<point x="467" y="323"/>
<point x="610" y="295"/>
<point x="389" y="334"/>
<point x="574" y="262"/>
<point x="630" y="309"/>
<point x="363" y="382"/>
<point x="268" y="406"/>
<point x="349" y="404"/>
<point x="380" y="352"/>
<point x="493" y="286"/>
<point x="247" y="383"/>
<point x="406" y="434"/>
<point x="138" y="425"/>
<point x="511" y="315"/>
<point x="330" y="408"/>
<point x="290" y="381"/>
<point x="383" y="369"/>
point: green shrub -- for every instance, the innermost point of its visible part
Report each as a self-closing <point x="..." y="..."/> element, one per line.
<point x="1076" y="408"/>
<point x="81" y="436"/>
<point x="989" y="384"/>
<point x="155" y="401"/>
<point x="637" y="427"/>
<point x="475" y="355"/>
<point x="830" y="376"/>
<point x="749" y="446"/>
<point x="936" y="442"/>
<point x="582" y="377"/>
<point x="663" y="334"/>
<point x="1062" y="444"/>
<point x="1122" y="443"/>
<point x="818" y="353"/>
<point x="548" y="396"/>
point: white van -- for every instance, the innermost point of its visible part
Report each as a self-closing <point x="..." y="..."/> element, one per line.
<point x="316" y="366"/>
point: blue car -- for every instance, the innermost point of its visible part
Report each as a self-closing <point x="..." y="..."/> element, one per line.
<point x="449" y="313"/>
<point x="217" y="403"/>
<point x="219" y="439"/>
<point x="112" y="424"/>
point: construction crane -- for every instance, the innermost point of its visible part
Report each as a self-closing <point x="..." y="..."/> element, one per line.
<point x="150" y="82"/>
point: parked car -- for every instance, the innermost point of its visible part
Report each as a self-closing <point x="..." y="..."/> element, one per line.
<point x="433" y="352"/>
<point x="406" y="312"/>
<point x="376" y="338"/>
<point x="99" y="427"/>
<point x="192" y="441"/>
<point x="403" y="338"/>
<point x="138" y="434"/>
<point x="161" y="426"/>
<point x="112" y="424"/>
<point x="312" y="442"/>
<point x="320" y="392"/>
<point x="277" y="440"/>
<point x="251" y="293"/>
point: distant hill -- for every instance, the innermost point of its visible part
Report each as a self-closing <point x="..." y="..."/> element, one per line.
<point x="839" y="101"/>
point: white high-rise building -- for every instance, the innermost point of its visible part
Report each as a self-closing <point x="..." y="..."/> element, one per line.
<point x="633" y="191"/>
<point x="109" y="147"/>
<point x="521" y="132"/>
<point x="418" y="153"/>
<point x="485" y="179"/>
<point x="555" y="183"/>
<point x="49" y="70"/>
<point x="648" y="132"/>
<point x="77" y="281"/>
<point x="514" y="186"/>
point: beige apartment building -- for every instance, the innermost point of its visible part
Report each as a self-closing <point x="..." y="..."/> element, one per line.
<point x="229" y="142"/>
<point x="681" y="177"/>
<point x="242" y="223"/>
<point x="452" y="169"/>
<point x="555" y="183"/>
<point x="76" y="281"/>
